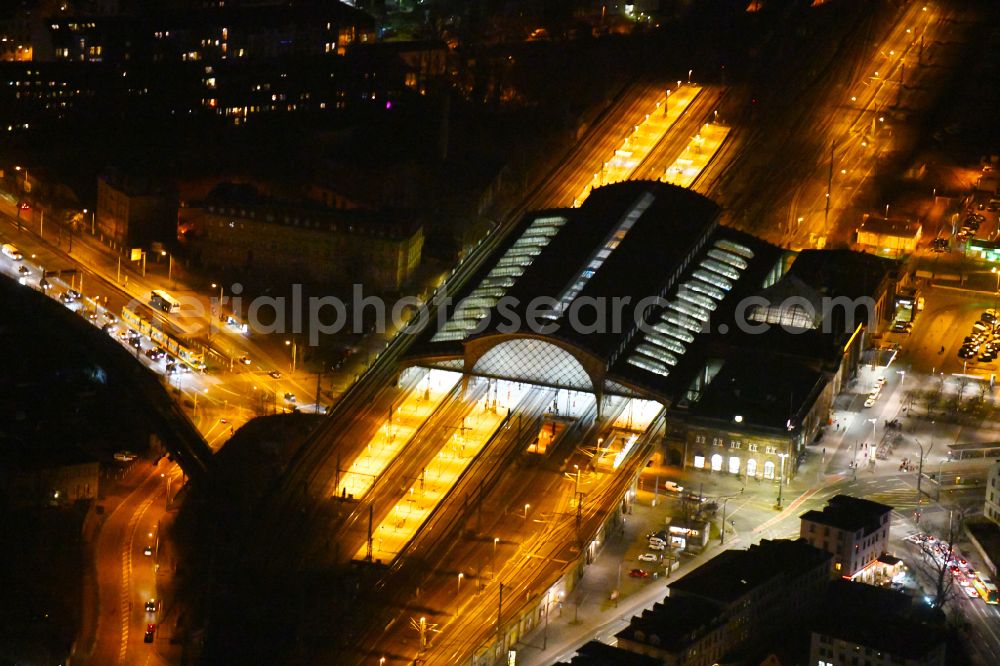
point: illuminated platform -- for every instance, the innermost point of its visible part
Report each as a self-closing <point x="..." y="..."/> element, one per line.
<point x="459" y="447"/>
<point x="641" y="141"/>
<point x="696" y="156"/>
<point x="394" y="434"/>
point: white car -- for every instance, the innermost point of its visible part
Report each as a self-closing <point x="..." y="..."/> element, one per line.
<point x="971" y="592"/>
<point x="648" y="557"/>
<point x="880" y="382"/>
<point x="657" y="546"/>
<point x="869" y="402"/>
<point x="673" y="487"/>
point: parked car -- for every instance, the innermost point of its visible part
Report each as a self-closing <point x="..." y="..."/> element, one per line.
<point x="648" y="557"/>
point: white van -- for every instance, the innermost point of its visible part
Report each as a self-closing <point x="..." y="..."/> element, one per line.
<point x="12" y="252"/>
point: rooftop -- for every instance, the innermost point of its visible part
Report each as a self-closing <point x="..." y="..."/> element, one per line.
<point x="245" y="201"/>
<point x="735" y="573"/>
<point x="766" y="390"/>
<point x="849" y="513"/>
<point x="596" y="653"/>
<point x="878" y="618"/>
<point x="890" y="227"/>
<point x="637" y="292"/>
<point x="672" y="623"/>
<point x="842" y="273"/>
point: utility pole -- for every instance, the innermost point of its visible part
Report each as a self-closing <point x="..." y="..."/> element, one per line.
<point x="336" y="482"/>
<point x="319" y="377"/>
<point x="899" y="89"/>
<point x="371" y="516"/>
<point x="829" y="188"/>
<point x="722" y="531"/>
<point x="499" y="615"/>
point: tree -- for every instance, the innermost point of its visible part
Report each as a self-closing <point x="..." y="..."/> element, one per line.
<point x="936" y="563"/>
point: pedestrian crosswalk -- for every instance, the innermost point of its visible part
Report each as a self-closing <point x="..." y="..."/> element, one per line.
<point x="900" y="498"/>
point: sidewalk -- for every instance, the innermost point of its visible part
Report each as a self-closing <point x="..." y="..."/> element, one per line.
<point x="596" y="616"/>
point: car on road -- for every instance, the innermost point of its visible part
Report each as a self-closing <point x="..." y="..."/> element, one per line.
<point x="657" y="546"/>
<point x="967" y="352"/>
<point x="151" y="606"/>
<point x="74" y="294"/>
<point x="648" y="557"/>
<point x="23" y="271"/>
<point x="150" y="633"/>
<point x="125" y="456"/>
<point x="275" y="374"/>
<point x="147" y="551"/>
<point x="988" y="317"/>
<point x="870" y="402"/>
<point x="970" y="592"/>
<point x="245" y="360"/>
<point x="672" y="487"/>
<point x="879" y="382"/>
<point x="290" y="397"/>
<point x="156" y="354"/>
<point x="638" y="573"/>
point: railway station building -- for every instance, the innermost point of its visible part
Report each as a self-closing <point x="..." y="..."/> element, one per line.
<point x="641" y="294"/>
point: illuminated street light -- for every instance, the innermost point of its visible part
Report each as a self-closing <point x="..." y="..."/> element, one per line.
<point x="493" y="562"/>
<point x="460" y="577"/>
<point x="526" y="507"/>
<point x="294" y="346"/>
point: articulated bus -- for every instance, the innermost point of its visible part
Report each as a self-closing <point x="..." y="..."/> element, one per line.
<point x="164" y="301"/>
<point x="986" y="589"/>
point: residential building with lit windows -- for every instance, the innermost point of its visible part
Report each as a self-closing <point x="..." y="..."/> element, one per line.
<point x="732" y="606"/>
<point x="205" y="32"/>
<point x="854" y="531"/>
<point x="864" y="625"/>
<point x="237" y="228"/>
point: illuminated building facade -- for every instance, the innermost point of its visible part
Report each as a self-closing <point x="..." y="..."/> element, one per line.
<point x="854" y="531"/>
<point x="234" y="227"/>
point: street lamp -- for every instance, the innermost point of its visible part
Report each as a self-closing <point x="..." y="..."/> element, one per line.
<point x="996" y="292"/>
<point x="526" y="507"/>
<point x="493" y="562"/>
<point x="170" y="262"/>
<point x="24" y="188"/>
<point x="460" y="577"/>
<point x="93" y="221"/>
<point x="294" y="347"/>
<point x="781" y="479"/>
<point x="920" y="465"/>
